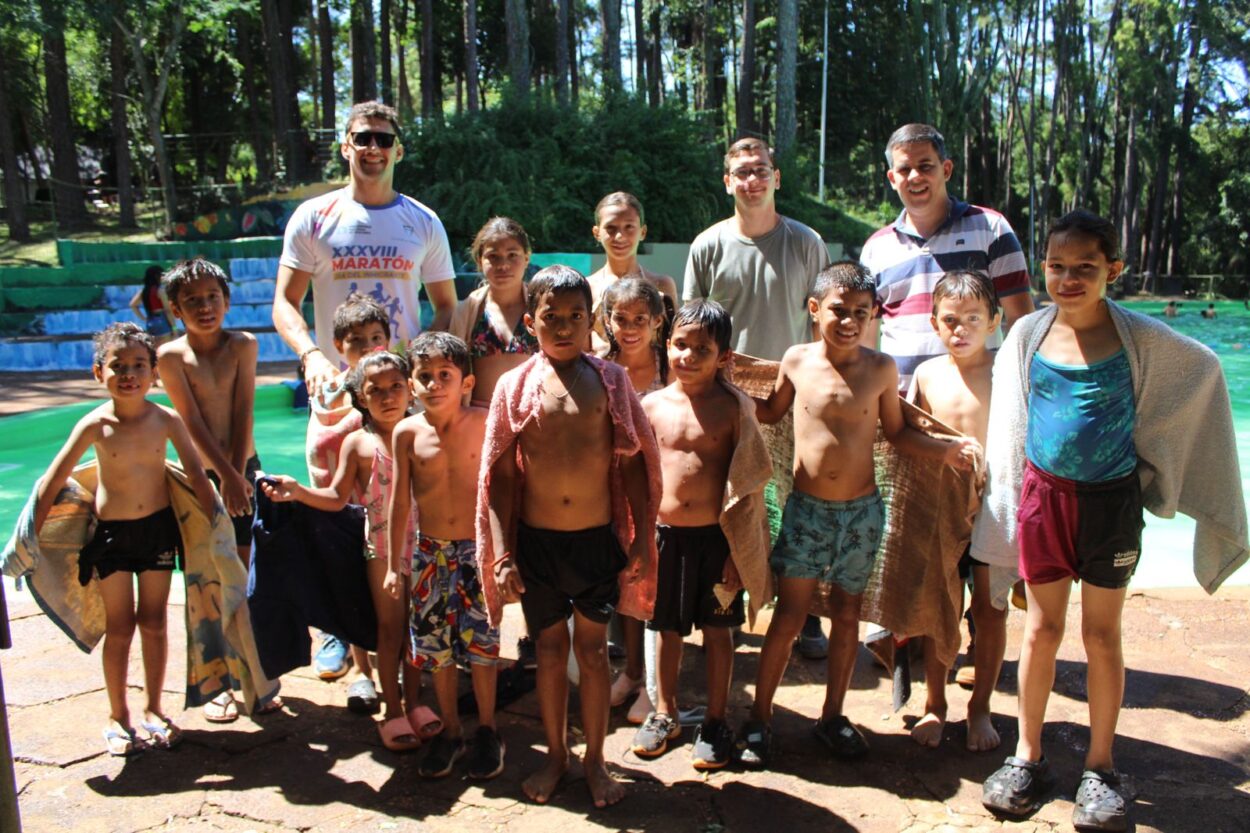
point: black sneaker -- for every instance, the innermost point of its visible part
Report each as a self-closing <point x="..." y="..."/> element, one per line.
<point x="651" y="739"/>
<point x="441" y="757"/>
<point x="713" y="745"/>
<point x="1099" y="803"/>
<point x="486" y="757"/>
<point x="1017" y="787"/>
<point x="527" y="654"/>
<point x="844" y="740"/>
<point x="754" y="744"/>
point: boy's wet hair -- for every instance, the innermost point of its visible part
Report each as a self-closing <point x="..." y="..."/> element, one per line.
<point x="745" y="145"/>
<point x="443" y="345"/>
<point x="554" y="280"/>
<point x="494" y="230"/>
<point x="850" y="275"/>
<point x="185" y="272"/>
<point x="1087" y="224"/>
<point x="966" y="283"/>
<point x="120" y="334"/>
<point x="638" y="290"/>
<point x="708" y="316"/>
<point x="371" y="110"/>
<point x="357" y="310"/>
<point x="621" y="198"/>
<point x="355" y="379"/>
<point x="909" y="133"/>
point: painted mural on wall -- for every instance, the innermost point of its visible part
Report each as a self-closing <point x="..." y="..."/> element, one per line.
<point x="259" y="219"/>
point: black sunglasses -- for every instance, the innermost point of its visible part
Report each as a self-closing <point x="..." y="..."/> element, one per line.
<point x="363" y="138"/>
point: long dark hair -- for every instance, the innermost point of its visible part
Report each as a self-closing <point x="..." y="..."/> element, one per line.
<point x="628" y="291"/>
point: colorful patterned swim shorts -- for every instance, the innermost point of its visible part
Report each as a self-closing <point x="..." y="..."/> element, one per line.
<point x="831" y="540"/>
<point x="448" y="618"/>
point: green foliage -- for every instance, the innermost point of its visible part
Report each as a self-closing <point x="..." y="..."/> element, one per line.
<point x="547" y="167"/>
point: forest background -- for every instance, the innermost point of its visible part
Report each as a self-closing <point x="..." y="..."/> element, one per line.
<point x="123" y="113"/>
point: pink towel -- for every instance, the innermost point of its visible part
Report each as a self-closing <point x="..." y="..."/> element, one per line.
<point x="517" y="400"/>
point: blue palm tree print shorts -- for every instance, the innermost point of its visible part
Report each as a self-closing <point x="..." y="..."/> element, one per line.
<point x="830" y="540"/>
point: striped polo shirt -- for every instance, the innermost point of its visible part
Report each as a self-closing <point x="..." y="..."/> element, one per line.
<point x="907" y="267"/>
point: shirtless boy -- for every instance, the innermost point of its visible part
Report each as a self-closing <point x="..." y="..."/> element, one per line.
<point x="210" y="376"/>
<point x="832" y="523"/>
<point x="137" y="534"/>
<point x="553" y="541"/>
<point x="437" y="460"/>
<point x="955" y="388"/>
<point x="699" y="427"/>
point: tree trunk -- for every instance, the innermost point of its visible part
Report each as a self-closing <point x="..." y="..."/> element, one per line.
<point x="279" y="92"/>
<point x="121" y="130"/>
<point x="67" y="191"/>
<point x="1193" y="69"/>
<point x="1128" y="194"/>
<point x="325" y="38"/>
<point x="746" y="76"/>
<point x="14" y="193"/>
<point x="401" y="56"/>
<point x="610" y="21"/>
<point x="364" y="53"/>
<point x="260" y="135"/>
<point x="154" y="90"/>
<point x="655" y="70"/>
<point x="787" y="47"/>
<point x="388" y="79"/>
<point x="471" y="71"/>
<point x="562" y="52"/>
<point x="518" y="30"/>
<point x="640" y="50"/>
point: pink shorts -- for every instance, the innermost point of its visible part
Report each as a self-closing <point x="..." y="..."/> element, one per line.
<point x="1085" y="531"/>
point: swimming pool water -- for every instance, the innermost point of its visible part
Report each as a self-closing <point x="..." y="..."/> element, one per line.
<point x="29" y="441"/>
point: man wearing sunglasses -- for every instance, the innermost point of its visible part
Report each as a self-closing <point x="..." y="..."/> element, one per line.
<point x="366" y="238"/>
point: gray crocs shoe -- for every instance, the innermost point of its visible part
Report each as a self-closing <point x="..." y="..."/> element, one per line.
<point x="1099" y="803"/>
<point x="1017" y="787"/>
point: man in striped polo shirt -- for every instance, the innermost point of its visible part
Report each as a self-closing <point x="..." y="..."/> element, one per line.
<point x="934" y="234"/>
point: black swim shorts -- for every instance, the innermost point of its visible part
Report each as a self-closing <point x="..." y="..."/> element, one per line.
<point x="563" y="570"/>
<point x="133" y="546"/>
<point x="692" y="561"/>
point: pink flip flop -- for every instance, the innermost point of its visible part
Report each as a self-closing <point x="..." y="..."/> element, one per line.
<point x="424" y="722"/>
<point x="392" y="730"/>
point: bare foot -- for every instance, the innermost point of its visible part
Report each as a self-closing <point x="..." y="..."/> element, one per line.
<point x="982" y="736"/>
<point x="543" y="783"/>
<point x="604" y="789"/>
<point x="928" y="730"/>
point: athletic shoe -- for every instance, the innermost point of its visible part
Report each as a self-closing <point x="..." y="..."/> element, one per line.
<point x="1017" y="787"/>
<point x="844" y="740"/>
<point x="486" y="754"/>
<point x="713" y="745"/>
<point x="651" y="739"/>
<point x="331" y="661"/>
<point x="754" y="744"/>
<point x="442" y="756"/>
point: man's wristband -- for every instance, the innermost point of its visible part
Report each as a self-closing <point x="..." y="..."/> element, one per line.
<point x="303" y="357"/>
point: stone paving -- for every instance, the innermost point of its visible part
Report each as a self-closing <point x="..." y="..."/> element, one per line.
<point x="1184" y="742"/>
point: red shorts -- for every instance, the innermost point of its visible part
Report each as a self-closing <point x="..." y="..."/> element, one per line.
<point x="1085" y="531"/>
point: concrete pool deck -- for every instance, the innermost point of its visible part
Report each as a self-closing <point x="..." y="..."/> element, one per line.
<point x="1184" y="740"/>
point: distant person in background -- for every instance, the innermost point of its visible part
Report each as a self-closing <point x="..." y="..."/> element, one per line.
<point x="152" y="307"/>
<point x="1209" y="312"/>
<point x="1171" y="309"/>
<point x="366" y="234"/>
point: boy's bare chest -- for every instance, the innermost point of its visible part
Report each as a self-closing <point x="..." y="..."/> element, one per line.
<point x="827" y="396"/>
<point x="212" y="374"/>
<point x="578" y="418"/>
<point x="704" y="431"/>
<point x="438" y="464"/>
<point x="137" y="443"/>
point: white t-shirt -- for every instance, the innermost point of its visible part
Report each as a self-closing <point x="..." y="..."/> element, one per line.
<point x="386" y="251"/>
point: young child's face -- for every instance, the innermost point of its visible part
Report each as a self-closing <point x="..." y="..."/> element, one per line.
<point x="842" y="315"/>
<point x="126" y="371"/>
<point x="385" y="394"/>
<point x="362" y="340"/>
<point x="964" y="325"/>
<point x="619" y="231"/>
<point x="633" y="326"/>
<point x="503" y="262"/>
<point x="202" y="306"/>
<point x="693" y="356"/>
<point x="1078" y="272"/>
<point x="439" y="385"/>
<point x="561" y="323"/>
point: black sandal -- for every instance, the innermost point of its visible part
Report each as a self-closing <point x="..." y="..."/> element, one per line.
<point x="754" y="744"/>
